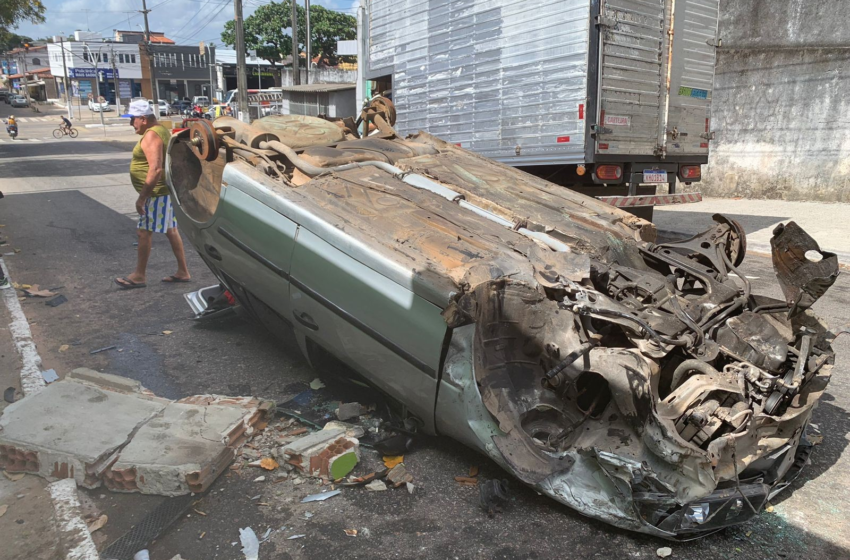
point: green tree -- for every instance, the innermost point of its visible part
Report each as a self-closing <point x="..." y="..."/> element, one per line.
<point x="13" y="12"/>
<point x="268" y="31"/>
<point x="9" y="41"/>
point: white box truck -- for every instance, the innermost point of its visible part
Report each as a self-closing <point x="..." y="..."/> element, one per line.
<point x="610" y="97"/>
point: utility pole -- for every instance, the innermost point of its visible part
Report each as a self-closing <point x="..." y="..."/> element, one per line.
<point x="211" y="64"/>
<point x="154" y="93"/>
<point x="115" y="81"/>
<point x="24" y="74"/>
<point x="65" y="79"/>
<point x="307" y="40"/>
<point x="296" y="71"/>
<point x="241" y="70"/>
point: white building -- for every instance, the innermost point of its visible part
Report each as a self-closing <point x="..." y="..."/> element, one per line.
<point x="93" y="66"/>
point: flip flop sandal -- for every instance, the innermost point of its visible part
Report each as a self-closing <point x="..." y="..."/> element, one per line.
<point x="174" y="280"/>
<point x="130" y="285"/>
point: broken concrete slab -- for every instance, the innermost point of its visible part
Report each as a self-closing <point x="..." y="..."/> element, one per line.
<point x="71" y="429"/>
<point x="96" y="427"/>
<point x="326" y="454"/>
<point x="184" y="448"/>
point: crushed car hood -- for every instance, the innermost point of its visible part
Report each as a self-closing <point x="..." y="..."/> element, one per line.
<point x="641" y="383"/>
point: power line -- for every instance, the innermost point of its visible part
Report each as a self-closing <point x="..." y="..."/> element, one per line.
<point x="209" y="21"/>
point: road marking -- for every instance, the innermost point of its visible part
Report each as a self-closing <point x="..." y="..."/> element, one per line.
<point x="33" y="139"/>
<point x="31" y="380"/>
<point x="69" y="517"/>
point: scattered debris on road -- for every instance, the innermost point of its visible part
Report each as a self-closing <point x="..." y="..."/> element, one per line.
<point x="321" y="497"/>
<point x="250" y="543"/>
<point x="49" y="375"/>
<point x="328" y="454"/>
<point x="57" y="301"/>
<point x="493" y="494"/>
<point x="664" y="552"/>
<point x="104" y="349"/>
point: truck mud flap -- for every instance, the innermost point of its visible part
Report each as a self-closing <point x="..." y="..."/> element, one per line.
<point x="651" y="200"/>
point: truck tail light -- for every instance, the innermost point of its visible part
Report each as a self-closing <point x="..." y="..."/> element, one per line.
<point x="690" y="172"/>
<point x="609" y="172"/>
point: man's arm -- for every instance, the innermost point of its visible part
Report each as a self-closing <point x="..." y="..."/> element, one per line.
<point x="152" y="147"/>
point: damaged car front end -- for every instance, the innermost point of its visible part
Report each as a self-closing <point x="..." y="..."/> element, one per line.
<point x="641" y="383"/>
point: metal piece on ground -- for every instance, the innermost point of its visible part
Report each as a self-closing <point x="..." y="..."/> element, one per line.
<point x="803" y="277"/>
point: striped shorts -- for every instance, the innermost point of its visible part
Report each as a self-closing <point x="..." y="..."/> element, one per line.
<point x="159" y="215"/>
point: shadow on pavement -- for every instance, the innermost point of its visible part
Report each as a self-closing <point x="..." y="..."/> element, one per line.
<point x="691" y="223"/>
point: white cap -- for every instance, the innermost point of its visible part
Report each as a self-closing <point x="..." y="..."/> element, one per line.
<point x="139" y="108"/>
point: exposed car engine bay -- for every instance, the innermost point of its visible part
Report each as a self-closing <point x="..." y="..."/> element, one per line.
<point x="640" y="382"/>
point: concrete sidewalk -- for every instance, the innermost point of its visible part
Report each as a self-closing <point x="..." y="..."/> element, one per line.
<point x="828" y="223"/>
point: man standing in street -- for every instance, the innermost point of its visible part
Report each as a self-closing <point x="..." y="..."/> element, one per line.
<point x="147" y="174"/>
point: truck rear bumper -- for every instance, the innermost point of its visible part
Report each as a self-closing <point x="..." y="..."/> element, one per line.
<point x="651" y="200"/>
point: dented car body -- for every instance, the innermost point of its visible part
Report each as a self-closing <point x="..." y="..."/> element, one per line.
<point x="641" y="383"/>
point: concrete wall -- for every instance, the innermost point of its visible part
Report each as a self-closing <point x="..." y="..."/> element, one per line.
<point x="781" y="102"/>
<point x="320" y="76"/>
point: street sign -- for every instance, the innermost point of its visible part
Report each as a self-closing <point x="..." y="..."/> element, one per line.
<point x="108" y="74"/>
<point x="201" y="47"/>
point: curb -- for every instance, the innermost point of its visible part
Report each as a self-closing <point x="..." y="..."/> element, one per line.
<point x="31" y="380"/>
<point x="75" y="533"/>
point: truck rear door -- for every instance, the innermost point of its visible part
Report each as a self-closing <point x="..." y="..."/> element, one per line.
<point x="643" y="44"/>
<point x="631" y="76"/>
<point x="692" y="76"/>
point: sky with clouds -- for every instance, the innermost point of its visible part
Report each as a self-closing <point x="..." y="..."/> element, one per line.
<point x="185" y="21"/>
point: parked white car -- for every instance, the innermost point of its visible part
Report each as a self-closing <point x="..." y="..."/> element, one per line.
<point x="164" y="108"/>
<point x="98" y="106"/>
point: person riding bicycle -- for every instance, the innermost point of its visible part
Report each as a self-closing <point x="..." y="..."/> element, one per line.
<point x="65" y="125"/>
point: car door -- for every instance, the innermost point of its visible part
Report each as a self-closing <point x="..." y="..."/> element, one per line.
<point x="250" y="242"/>
<point x="389" y="334"/>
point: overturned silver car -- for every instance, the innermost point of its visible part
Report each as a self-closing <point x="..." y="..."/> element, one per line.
<point x="641" y="383"/>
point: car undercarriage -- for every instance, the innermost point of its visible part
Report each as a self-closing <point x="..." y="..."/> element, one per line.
<point x="642" y="383"/>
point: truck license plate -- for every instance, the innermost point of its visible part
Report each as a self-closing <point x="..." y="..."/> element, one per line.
<point x="654" y="176"/>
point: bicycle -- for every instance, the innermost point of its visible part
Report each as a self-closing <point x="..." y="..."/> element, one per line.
<point x="60" y="132"/>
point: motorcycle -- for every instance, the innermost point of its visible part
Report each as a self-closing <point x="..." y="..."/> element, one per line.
<point x="12" y="129"/>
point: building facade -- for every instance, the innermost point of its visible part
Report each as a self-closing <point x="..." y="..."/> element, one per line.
<point x="94" y="69"/>
<point x="181" y="71"/>
<point x="33" y="60"/>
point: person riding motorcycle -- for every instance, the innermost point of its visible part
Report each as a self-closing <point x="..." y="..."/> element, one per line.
<point x="11" y="124"/>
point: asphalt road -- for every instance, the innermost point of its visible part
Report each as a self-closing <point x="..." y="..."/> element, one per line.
<point x="69" y="209"/>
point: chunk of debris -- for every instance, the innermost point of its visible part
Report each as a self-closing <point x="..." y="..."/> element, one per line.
<point x="398" y="475"/>
<point x="13" y="477"/>
<point x="350" y="532"/>
<point x="35" y="291"/>
<point x="260" y="479"/>
<point x="250" y="543"/>
<point x="347" y="411"/>
<point x="394" y="445"/>
<point x="664" y="552"/>
<point x="466" y="481"/>
<point x="316" y="384"/>
<point x="410" y="488"/>
<point x="98" y="523"/>
<point x="9" y="395"/>
<point x="473" y="471"/>
<point x="321" y="497"/>
<point x="104" y="349"/>
<point x="492" y="494"/>
<point x="57" y="301"/>
<point x="3" y="509"/>
<point x="376" y="486"/>
<point x="351" y="430"/>
<point x="293" y="537"/>
<point x="327" y="454"/>
<point x="391" y="461"/>
<point x="124" y="436"/>
<point x="49" y="375"/>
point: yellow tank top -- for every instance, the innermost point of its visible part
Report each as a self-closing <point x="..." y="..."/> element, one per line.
<point x="139" y="164"/>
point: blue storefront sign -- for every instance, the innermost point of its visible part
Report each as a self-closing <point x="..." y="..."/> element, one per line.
<point x="93" y="73"/>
